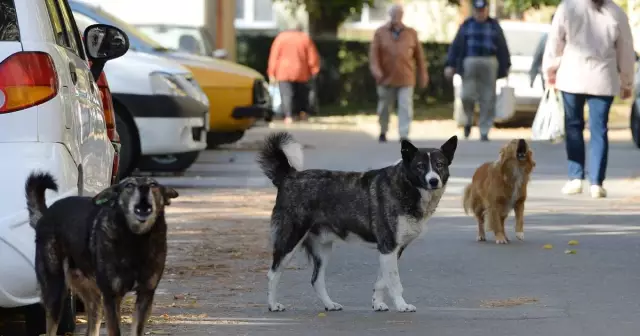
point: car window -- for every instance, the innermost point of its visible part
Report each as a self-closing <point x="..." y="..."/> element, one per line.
<point x="186" y="39"/>
<point x="522" y="42"/>
<point x="8" y="21"/>
<point x="57" y="24"/>
<point x="70" y="27"/>
<point x="83" y="21"/>
<point x="129" y="29"/>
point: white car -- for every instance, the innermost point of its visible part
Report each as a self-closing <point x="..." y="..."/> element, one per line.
<point x="51" y="119"/>
<point x="522" y="39"/>
<point x="161" y="111"/>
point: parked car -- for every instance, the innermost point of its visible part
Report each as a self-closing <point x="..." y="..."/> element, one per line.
<point x="161" y="111"/>
<point x="238" y="95"/>
<point x="190" y="39"/>
<point x="110" y="121"/>
<point x="522" y="39"/>
<point x="51" y="119"/>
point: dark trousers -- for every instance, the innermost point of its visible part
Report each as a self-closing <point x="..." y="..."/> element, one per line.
<point x="599" y="107"/>
<point x="295" y="97"/>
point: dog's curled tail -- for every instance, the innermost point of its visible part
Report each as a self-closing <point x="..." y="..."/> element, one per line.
<point x="36" y="185"/>
<point x="280" y="156"/>
<point x="466" y="199"/>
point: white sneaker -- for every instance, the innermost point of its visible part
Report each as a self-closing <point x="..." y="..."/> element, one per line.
<point x="598" y="191"/>
<point x="572" y="187"/>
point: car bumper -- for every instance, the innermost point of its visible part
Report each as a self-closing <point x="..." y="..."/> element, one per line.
<point x="18" y="284"/>
<point x="168" y="124"/>
<point x="256" y="112"/>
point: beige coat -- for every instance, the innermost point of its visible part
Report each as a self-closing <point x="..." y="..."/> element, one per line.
<point x="397" y="60"/>
<point x="590" y="51"/>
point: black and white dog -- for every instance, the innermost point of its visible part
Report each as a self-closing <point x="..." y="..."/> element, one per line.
<point x="388" y="207"/>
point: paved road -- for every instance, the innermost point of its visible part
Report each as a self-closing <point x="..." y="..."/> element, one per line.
<point x="456" y="283"/>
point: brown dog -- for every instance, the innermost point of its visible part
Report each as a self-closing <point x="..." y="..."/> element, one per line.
<point x="499" y="186"/>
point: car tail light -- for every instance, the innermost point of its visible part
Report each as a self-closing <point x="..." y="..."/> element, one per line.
<point x="107" y="104"/>
<point x="27" y="79"/>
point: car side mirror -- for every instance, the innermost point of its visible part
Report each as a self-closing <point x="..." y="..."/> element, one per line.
<point x="102" y="43"/>
<point x="220" y="53"/>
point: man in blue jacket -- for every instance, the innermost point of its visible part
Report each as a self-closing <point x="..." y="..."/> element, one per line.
<point x="480" y="55"/>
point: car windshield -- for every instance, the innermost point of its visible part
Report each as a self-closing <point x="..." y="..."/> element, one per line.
<point x="8" y="21"/>
<point x="187" y="39"/>
<point x="131" y="30"/>
<point x="522" y="42"/>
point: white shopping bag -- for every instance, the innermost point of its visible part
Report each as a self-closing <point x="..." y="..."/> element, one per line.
<point x="276" y="100"/>
<point x="505" y="103"/>
<point x="548" y="125"/>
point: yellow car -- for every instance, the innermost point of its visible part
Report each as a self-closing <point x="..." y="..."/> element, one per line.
<point x="238" y="95"/>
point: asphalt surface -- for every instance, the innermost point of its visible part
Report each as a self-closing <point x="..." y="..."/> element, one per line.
<point x="459" y="286"/>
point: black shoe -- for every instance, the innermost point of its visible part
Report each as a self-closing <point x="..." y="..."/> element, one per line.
<point x="484" y="137"/>
<point x="467" y="131"/>
<point x="382" y="138"/>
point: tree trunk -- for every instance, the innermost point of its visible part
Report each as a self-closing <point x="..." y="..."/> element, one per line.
<point x="323" y="28"/>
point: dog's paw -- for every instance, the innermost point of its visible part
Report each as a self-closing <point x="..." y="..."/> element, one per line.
<point x="406" y="308"/>
<point x="481" y="238"/>
<point x="520" y="235"/>
<point x="278" y="307"/>
<point x="333" y="307"/>
<point x="502" y="239"/>
<point x="380" y="306"/>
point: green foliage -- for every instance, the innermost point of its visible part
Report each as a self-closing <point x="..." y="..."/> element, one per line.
<point x="345" y="79"/>
<point x="326" y="16"/>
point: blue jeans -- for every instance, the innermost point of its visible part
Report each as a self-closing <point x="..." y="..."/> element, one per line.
<point x="599" y="107"/>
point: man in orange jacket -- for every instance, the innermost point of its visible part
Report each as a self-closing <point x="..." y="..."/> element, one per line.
<point x="293" y="62"/>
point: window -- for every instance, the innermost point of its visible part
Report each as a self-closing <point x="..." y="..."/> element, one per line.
<point x="371" y="16"/>
<point x="188" y="39"/>
<point x="8" y="21"/>
<point x="255" y="14"/>
<point x="75" y="42"/>
<point x="57" y="24"/>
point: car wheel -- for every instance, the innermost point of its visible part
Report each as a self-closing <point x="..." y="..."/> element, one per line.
<point x="634" y="125"/>
<point x="36" y="322"/>
<point x="215" y="139"/>
<point x="171" y="163"/>
<point x="128" y="146"/>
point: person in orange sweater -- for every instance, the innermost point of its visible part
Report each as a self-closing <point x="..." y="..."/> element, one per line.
<point x="394" y="58"/>
<point x="293" y="62"/>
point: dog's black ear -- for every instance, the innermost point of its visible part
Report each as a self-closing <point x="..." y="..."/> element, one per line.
<point x="107" y="196"/>
<point x="407" y="150"/>
<point x="449" y="148"/>
<point x="168" y="194"/>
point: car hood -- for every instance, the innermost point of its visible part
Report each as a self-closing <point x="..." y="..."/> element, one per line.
<point x="146" y="63"/>
<point x="213" y="64"/>
<point x="129" y="74"/>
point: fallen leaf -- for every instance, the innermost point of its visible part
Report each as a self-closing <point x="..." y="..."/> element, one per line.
<point x="573" y="242"/>
<point x="547" y="247"/>
<point x="322" y="315"/>
<point x="570" y="251"/>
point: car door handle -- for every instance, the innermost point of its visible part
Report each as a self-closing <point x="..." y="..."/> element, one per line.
<point x="72" y="71"/>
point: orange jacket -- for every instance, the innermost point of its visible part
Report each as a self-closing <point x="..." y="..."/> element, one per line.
<point x="397" y="60"/>
<point x="293" y="57"/>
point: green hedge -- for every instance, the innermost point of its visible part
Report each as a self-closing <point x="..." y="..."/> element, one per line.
<point x="345" y="79"/>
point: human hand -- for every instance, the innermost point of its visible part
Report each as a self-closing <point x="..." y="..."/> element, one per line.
<point x="377" y="75"/>
<point x="449" y="72"/>
<point x="626" y="93"/>
<point x="423" y="81"/>
<point x="272" y="79"/>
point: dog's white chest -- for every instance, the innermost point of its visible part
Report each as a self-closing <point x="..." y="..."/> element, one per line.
<point x="409" y="227"/>
<point x="518" y="177"/>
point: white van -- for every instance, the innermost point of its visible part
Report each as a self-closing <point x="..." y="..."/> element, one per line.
<point x="161" y="111"/>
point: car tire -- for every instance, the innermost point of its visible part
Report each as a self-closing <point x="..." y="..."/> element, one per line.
<point x="172" y="163"/>
<point x="216" y="139"/>
<point x="36" y="322"/>
<point x="129" y="148"/>
<point x="634" y="125"/>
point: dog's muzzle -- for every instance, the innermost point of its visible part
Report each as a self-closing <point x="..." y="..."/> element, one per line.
<point x="142" y="211"/>
<point x="521" y="151"/>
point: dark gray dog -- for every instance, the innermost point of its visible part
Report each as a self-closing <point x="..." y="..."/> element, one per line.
<point x="386" y="207"/>
<point x="101" y="248"/>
